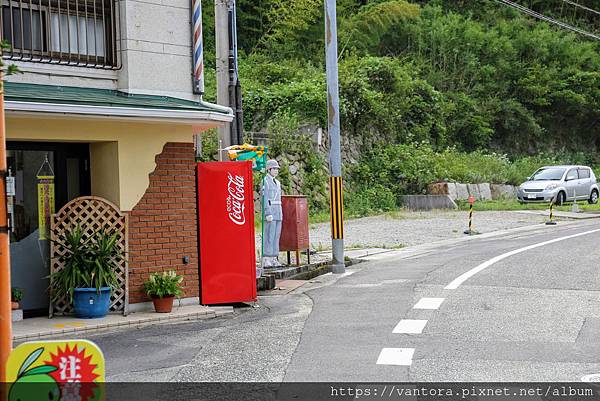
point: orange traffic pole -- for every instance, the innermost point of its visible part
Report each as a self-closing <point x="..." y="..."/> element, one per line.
<point x="5" y="295"/>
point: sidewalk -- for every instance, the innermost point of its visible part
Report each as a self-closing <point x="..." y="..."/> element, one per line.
<point x="42" y="327"/>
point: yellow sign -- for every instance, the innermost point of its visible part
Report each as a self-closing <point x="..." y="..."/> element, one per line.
<point x="62" y="370"/>
<point x="45" y="189"/>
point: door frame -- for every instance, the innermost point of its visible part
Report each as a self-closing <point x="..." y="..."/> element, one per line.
<point x="62" y="152"/>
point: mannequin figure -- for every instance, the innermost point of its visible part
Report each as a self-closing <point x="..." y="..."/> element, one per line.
<point x="273" y="215"/>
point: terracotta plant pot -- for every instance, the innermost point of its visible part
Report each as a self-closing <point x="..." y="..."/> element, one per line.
<point x="14" y="305"/>
<point x="163" y="305"/>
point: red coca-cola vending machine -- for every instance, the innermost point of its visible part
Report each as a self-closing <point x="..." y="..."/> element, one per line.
<point x="226" y="229"/>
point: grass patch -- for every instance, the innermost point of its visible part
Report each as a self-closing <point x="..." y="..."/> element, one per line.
<point x="513" y="204"/>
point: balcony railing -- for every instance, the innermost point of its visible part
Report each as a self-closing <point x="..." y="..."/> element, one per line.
<point x="72" y="32"/>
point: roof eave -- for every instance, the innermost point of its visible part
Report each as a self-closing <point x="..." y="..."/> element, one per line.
<point x="185" y="117"/>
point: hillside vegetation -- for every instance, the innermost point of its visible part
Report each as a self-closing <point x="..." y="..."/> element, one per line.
<point x="447" y="79"/>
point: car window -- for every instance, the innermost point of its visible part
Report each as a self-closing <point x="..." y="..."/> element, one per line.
<point x="572" y="174"/>
<point x="584" y="173"/>
<point x="550" y="173"/>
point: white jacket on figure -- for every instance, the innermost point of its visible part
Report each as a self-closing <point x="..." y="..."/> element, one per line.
<point x="272" y="198"/>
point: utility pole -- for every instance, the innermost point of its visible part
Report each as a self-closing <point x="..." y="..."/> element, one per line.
<point x="222" y="60"/>
<point x="5" y="293"/>
<point x="229" y="92"/>
<point x="235" y="88"/>
<point x="333" y="126"/>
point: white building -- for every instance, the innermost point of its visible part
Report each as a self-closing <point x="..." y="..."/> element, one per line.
<point x="106" y="94"/>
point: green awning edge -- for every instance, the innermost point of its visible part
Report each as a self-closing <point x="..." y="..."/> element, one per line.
<point x="35" y="93"/>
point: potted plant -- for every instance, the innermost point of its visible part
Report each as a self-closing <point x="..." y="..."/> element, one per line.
<point x="16" y="296"/>
<point x="88" y="275"/>
<point x="163" y="288"/>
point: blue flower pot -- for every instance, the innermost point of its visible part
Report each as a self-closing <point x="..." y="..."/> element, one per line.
<point x="91" y="304"/>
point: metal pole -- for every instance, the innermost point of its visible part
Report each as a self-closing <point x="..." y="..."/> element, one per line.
<point x="5" y="294"/>
<point x="235" y="94"/>
<point x="333" y="126"/>
<point x="222" y="63"/>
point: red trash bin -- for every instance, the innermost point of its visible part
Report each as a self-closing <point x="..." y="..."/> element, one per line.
<point x="294" y="227"/>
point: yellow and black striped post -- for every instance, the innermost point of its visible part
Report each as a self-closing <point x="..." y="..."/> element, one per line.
<point x="470" y="230"/>
<point x="551" y="222"/>
<point x="336" y="194"/>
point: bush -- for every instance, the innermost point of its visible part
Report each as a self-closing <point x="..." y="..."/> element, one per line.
<point x="367" y="200"/>
<point x="410" y="168"/>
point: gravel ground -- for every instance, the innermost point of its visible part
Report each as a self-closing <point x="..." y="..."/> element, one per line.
<point x="413" y="228"/>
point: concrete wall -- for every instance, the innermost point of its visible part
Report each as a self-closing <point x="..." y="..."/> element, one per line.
<point x="62" y="75"/>
<point x="427" y="202"/>
<point x="156" y="47"/>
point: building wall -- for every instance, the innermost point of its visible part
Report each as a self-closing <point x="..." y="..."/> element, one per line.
<point x="122" y="153"/>
<point x="156" y="54"/>
<point x="157" y="48"/>
<point x="163" y="225"/>
<point x="104" y="162"/>
<point x="63" y="75"/>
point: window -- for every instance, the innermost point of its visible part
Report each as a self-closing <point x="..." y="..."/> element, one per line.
<point x="572" y="174"/>
<point x="584" y="173"/>
<point x="551" y="173"/>
<point x="72" y="32"/>
<point x="80" y="34"/>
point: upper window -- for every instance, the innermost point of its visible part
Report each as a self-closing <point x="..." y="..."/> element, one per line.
<point x="584" y="173"/>
<point x="73" y="32"/>
<point x="572" y="174"/>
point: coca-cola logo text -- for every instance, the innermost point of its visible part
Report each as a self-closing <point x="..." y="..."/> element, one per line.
<point x="235" y="199"/>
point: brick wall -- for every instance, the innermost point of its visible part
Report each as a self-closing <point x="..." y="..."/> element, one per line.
<point x="163" y="225"/>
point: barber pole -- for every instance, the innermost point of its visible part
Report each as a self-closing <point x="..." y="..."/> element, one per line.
<point x="197" y="45"/>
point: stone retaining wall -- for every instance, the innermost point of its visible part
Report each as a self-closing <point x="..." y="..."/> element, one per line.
<point x="484" y="191"/>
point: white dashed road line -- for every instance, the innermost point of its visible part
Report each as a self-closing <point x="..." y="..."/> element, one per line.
<point x="396" y="356"/>
<point x="409" y="326"/>
<point x="429" y="303"/>
<point x="464" y="277"/>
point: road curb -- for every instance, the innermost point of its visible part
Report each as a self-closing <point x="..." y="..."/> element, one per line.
<point x="58" y="328"/>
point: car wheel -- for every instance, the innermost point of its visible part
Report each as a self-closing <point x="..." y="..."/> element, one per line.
<point x="561" y="198"/>
<point x="593" y="197"/>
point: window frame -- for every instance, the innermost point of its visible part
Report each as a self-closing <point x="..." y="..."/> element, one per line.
<point x="576" y="170"/>
<point x="587" y="170"/>
<point x="108" y="17"/>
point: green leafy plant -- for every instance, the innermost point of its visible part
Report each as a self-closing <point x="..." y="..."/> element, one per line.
<point x="9" y="69"/>
<point x="167" y="284"/>
<point x="16" y="294"/>
<point x="88" y="263"/>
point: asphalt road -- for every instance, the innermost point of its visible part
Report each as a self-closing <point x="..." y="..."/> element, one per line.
<point x="527" y="316"/>
<point x="532" y="316"/>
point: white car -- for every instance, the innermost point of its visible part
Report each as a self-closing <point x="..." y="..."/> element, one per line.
<point x="561" y="183"/>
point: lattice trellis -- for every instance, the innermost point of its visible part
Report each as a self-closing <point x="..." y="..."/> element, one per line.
<point x="92" y="214"/>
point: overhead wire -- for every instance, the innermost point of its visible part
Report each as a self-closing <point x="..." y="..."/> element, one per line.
<point x="582" y="6"/>
<point x="548" y="19"/>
